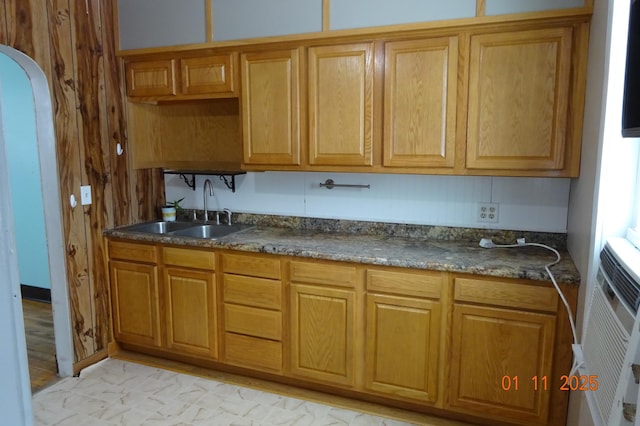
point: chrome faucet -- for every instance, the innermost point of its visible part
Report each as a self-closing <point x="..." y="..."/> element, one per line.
<point x="228" y="212"/>
<point x="204" y="195"/>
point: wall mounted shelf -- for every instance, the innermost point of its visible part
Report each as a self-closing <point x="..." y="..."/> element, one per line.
<point x="189" y="177"/>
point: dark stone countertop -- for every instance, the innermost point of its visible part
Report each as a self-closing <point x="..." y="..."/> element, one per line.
<point x="422" y="247"/>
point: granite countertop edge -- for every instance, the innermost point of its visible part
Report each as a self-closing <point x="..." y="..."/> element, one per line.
<point x="457" y="256"/>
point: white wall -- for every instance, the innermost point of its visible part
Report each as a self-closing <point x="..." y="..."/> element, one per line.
<point x="527" y="204"/>
<point x="600" y="202"/>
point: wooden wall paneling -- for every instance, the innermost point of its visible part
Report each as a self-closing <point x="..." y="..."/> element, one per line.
<point x="26" y="29"/>
<point x="66" y="127"/>
<point x="116" y="122"/>
<point x="148" y="191"/>
<point x="4" y="33"/>
<point x="94" y="154"/>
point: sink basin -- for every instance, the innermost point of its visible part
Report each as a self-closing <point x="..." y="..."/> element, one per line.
<point x="209" y="231"/>
<point x="158" y="227"/>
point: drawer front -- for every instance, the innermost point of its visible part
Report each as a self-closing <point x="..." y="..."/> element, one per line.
<point x="209" y="74"/>
<point x="189" y="258"/>
<point x="420" y="284"/>
<point x="251" y="291"/>
<point x="151" y="78"/>
<point x="323" y="273"/>
<point x="253" y="352"/>
<point x="508" y="294"/>
<point x="255" y="266"/>
<point x="253" y="321"/>
<point x="133" y="252"/>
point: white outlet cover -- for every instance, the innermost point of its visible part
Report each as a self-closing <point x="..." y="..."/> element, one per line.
<point x="488" y="212"/>
<point x="85" y="195"/>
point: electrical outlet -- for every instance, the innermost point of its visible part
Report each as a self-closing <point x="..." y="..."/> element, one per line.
<point x="488" y="212"/>
<point x="85" y="195"/>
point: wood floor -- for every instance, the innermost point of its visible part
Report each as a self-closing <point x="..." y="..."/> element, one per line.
<point x="41" y="350"/>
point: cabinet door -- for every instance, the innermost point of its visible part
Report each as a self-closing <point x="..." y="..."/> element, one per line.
<point x="151" y="78"/>
<point x="518" y="97"/>
<point x="322" y="333"/>
<point x="497" y="357"/>
<point x="271" y="108"/>
<point x="403" y="339"/>
<point x="341" y="105"/>
<point x="190" y="310"/>
<point x="134" y="294"/>
<point x="208" y="75"/>
<point x="420" y="102"/>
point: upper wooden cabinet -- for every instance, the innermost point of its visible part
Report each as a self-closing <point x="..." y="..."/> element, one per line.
<point x="420" y="87"/>
<point x="271" y="107"/>
<point x="504" y="99"/>
<point x="519" y="99"/>
<point x="175" y="77"/>
<point x="341" y="105"/>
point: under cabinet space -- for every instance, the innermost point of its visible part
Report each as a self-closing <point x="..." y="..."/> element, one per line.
<point x="197" y="135"/>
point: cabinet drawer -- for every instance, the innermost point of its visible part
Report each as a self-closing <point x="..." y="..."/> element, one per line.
<point x="189" y="258"/>
<point x="323" y="273"/>
<point x="254" y="266"/>
<point x="251" y="291"/>
<point x="253" y="321"/>
<point x="253" y="352"/>
<point x="133" y="252"/>
<point x="207" y="74"/>
<point x="151" y="78"/>
<point x="420" y="284"/>
<point x="508" y="294"/>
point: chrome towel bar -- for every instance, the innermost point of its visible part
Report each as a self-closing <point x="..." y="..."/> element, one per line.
<point x="329" y="184"/>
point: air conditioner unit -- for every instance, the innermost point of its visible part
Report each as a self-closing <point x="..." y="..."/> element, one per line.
<point x="610" y="352"/>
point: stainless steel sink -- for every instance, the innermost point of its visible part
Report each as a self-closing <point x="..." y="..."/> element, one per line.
<point x="209" y="231"/>
<point x="158" y="227"/>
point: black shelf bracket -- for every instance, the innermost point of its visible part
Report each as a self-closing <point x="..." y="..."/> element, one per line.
<point x="190" y="183"/>
<point x="189" y="177"/>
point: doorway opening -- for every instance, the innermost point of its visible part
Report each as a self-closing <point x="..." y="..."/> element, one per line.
<point x="49" y="182"/>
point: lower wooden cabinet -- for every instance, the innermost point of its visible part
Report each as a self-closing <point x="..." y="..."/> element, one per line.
<point x="403" y="329"/>
<point x="323" y="333"/>
<point x="134" y="293"/>
<point x="502" y="358"/>
<point x="191" y="311"/>
<point x="134" y="298"/>
<point x="190" y="301"/>
<point x="323" y="322"/>
<point x="252" y="312"/>
<point x="486" y="348"/>
<point x="402" y="346"/>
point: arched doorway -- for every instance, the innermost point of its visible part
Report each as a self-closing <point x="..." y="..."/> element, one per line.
<point x="46" y="148"/>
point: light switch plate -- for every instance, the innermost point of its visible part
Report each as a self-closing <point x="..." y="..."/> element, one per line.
<point x="85" y="195"/>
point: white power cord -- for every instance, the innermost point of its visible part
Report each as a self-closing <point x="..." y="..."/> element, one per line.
<point x="488" y="243"/>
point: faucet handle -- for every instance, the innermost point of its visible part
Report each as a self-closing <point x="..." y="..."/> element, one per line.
<point x="228" y="212"/>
